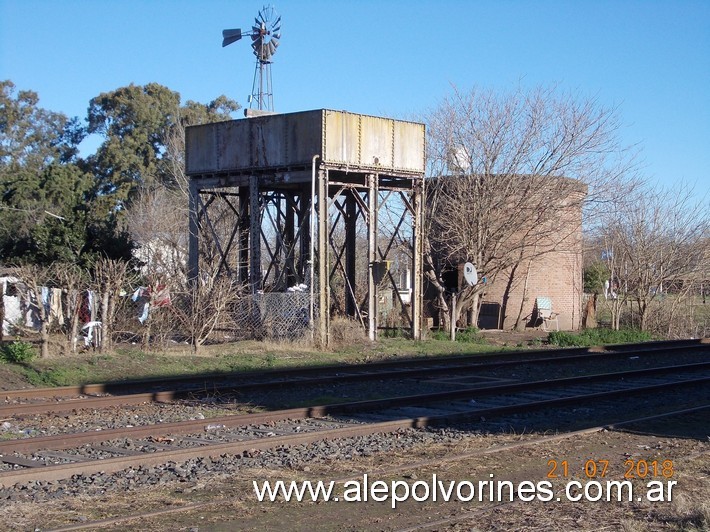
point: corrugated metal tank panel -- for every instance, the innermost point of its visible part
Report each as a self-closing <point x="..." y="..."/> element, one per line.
<point x="288" y="140"/>
<point x="200" y="148"/>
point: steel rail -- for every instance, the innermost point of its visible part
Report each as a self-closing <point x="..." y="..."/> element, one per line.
<point x="404" y="467"/>
<point x="113" y="465"/>
<point x="347" y="374"/>
<point x="110" y="465"/>
<point x="352" y="371"/>
<point x="65" y="441"/>
<point x="533" y="441"/>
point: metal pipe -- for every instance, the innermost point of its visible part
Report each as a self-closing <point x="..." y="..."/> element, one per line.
<point x="312" y="246"/>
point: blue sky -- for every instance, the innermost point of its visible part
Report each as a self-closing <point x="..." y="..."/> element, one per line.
<point x="650" y="58"/>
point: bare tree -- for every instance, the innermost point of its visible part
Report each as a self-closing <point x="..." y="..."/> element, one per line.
<point x="73" y="280"/>
<point x="201" y="305"/>
<point x="504" y="167"/>
<point x="158" y="224"/>
<point x="37" y="280"/>
<point x="657" y="241"/>
<point x="110" y="278"/>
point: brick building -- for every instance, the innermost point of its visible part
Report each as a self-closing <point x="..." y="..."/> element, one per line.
<point x="552" y="268"/>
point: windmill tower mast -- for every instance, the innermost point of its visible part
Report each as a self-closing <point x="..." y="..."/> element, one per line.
<point x="265" y="35"/>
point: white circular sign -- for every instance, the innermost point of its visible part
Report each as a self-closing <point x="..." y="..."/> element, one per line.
<point x="470" y="274"/>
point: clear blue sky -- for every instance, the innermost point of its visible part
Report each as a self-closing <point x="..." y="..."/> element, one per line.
<point x="395" y="58"/>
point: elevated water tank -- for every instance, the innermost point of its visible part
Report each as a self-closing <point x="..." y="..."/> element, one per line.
<point x="288" y="142"/>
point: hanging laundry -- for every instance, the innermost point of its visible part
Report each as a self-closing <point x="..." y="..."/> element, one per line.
<point x="141" y="297"/>
<point x="56" y="308"/>
<point x="92" y="334"/>
<point x="160" y="296"/>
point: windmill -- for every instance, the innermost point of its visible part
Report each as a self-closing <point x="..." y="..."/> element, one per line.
<point x="265" y="35"/>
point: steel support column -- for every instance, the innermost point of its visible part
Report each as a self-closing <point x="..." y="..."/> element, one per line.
<point x="244" y="227"/>
<point x="417" y="259"/>
<point x="323" y="258"/>
<point x="193" y="258"/>
<point x="254" y="236"/>
<point x="350" y="252"/>
<point x="372" y="197"/>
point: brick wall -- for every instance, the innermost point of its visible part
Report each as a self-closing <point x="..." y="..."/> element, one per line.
<point x="552" y="266"/>
<point x="554" y="271"/>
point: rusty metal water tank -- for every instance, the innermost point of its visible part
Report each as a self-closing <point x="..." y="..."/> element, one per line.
<point x="287" y="143"/>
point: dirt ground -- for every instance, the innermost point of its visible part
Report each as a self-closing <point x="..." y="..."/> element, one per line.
<point x="229" y="503"/>
<point x="11" y="380"/>
<point x="513" y="338"/>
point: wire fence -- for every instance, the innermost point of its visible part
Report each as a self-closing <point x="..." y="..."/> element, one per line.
<point x="272" y="316"/>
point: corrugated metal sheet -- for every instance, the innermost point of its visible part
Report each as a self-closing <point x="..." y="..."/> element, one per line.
<point x="341" y="139"/>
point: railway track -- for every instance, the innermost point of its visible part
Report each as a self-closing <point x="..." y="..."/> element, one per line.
<point x="416" y="465"/>
<point x="52" y="458"/>
<point x="96" y="396"/>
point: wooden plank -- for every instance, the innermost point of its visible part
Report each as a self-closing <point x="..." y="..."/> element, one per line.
<point x="62" y="456"/>
<point x="120" y="450"/>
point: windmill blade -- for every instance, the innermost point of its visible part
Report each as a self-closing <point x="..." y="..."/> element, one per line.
<point x="271" y="48"/>
<point x="230" y="36"/>
<point x="276" y="42"/>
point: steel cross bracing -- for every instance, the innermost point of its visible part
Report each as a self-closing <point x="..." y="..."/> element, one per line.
<point x="385" y="212"/>
<point x="260" y="234"/>
<point x="348" y="205"/>
<point x="228" y="220"/>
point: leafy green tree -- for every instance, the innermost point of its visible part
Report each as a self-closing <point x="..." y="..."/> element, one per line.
<point x="43" y="191"/>
<point x="45" y="214"/>
<point x="32" y="137"/>
<point x="139" y="124"/>
<point x="48" y="210"/>
<point x="132" y="120"/>
<point x="57" y="207"/>
<point x="594" y="277"/>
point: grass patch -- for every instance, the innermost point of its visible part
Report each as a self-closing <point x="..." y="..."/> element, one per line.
<point x="132" y="363"/>
<point x="471" y="335"/>
<point x="591" y="337"/>
<point x="61" y="376"/>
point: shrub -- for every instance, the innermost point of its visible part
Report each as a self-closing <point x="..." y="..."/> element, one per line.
<point x="18" y="352"/>
<point x="598" y="337"/>
<point x="469" y="335"/>
<point x="346" y="332"/>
